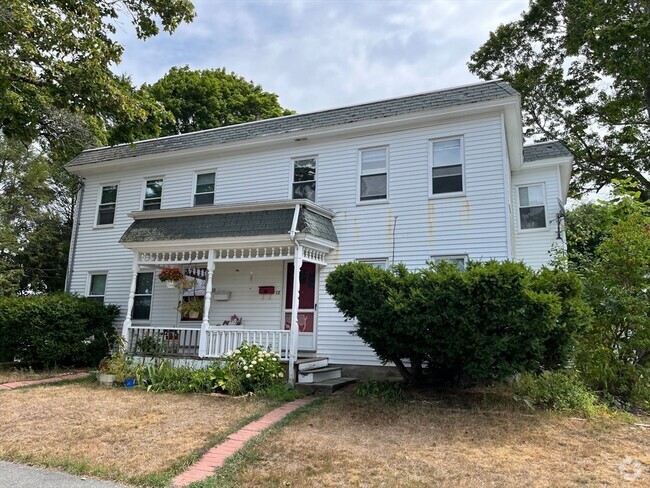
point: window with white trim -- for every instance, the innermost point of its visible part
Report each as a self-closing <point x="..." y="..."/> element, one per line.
<point x="532" y="207"/>
<point x="460" y="261"/>
<point x="381" y="263"/>
<point x="97" y="287"/>
<point x="142" y="298"/>
<point x="373" y="179"/>
<point x="204" y="189"/>
<point x="447" y="166"/>
<point x="107" y="202"/>
<point x="304" y="179"/>
<point x="152" y="194"/>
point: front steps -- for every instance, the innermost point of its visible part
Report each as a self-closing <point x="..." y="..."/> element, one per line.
<point x="315" y="375"/>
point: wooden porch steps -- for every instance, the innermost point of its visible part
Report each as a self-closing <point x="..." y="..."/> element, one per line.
<point x="315" y="375"/>
<point x="325" y="387"/>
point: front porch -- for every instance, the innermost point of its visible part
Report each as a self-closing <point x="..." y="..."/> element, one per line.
<point x="254" y="273"/>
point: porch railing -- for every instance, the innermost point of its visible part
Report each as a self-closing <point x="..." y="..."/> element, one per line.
<point x="221" y="339"/>
<point x="159" y="341"/>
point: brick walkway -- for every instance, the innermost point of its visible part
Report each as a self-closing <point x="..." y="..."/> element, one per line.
<point x="54" y="379"/>
<point x="216" y="457"/>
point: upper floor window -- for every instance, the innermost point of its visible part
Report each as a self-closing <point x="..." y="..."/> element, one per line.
<point x="446" y="166"/>
<point x="97" y="287"/>
<point x="373" y="178"/>
<point x="107" y="201"/>
<point x="204" y="190"/>
<point x="532" y="207"/>
<point x="459" y="261"/>
<point x="142" y="298"/>
<point x="152" y="194"/>
<point x="304" y="179"/>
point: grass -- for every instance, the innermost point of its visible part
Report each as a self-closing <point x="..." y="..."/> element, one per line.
<point x="351" y="441"/>
<point x="128" y="435"/>
<point x="11" y="374"/>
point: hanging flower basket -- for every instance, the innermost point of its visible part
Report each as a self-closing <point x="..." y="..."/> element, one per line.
<point x="174" y="278"/>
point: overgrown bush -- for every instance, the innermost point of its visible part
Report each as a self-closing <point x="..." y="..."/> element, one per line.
<point x="56" y="330"/>
<point x="556" y="390"/>
<point x="249" y="368"/>
<point x="483" y="324"/>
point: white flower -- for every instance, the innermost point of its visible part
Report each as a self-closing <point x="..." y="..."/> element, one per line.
<point x="275" y="358"/>
<point x="245" y="368"/>
<point x="229" y="353"/>
<point x="248" y="375"/>
<point x="237" y="351"/>
<point x="261" y="360"/>
<point x="253" y="362"/>
<point x="280" y="375"/>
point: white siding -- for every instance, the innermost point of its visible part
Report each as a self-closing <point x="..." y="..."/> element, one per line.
<point x="533" y="246"/>
<point x="473" y="224"/>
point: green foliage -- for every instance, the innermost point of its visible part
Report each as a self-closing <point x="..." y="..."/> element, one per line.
<point x="556" y="390"/>
<point x="205" y="99"/>
<point x="581" y="68"/>
<point x="56" y="330"/>
<point x="386" y="391"/>
<point x="279" y="391"/>
<point x="249" y="368"/>
<point x="182" y="379"/>
<point x="482" y="324"/>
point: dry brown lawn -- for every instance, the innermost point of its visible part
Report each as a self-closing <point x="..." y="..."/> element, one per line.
<point x="349" y="441"/>
<point x="116" y="430"/>
<point x="9" y="375"/>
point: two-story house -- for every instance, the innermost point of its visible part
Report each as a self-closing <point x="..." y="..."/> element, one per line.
<point x="258" y="214"/>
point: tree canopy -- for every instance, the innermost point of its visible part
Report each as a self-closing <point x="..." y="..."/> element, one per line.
<point x="56" y="85"/>
<point x="204" y="99"/>
<point x="581" y="67"/>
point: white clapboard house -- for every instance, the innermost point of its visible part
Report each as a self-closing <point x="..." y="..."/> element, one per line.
<point x="258" y="214"/>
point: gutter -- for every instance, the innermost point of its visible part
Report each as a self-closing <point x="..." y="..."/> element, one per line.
<point x="73" y="238"/>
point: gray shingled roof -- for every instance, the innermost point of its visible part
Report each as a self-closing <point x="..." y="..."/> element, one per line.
<point x="546" y="150"/>
<point x="482" y="92"/>
<point x="236" y="224"/>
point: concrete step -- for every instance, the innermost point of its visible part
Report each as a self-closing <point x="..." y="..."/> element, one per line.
<point x="305" y="364"/>
<point x="325" y="387"/>
<point x="319" y="374"/>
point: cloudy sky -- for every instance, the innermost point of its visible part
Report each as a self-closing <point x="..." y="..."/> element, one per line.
<point x="319" y="54"/>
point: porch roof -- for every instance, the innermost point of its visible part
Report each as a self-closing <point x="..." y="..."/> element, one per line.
<point x="240" y="222"/>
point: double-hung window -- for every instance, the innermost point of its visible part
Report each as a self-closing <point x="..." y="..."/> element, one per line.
<point x="204" y="190"/>
<point x="304" y="179"/>
<point x="142" y="298"/>
<point x="532" y="207"/>
<point x="107" y="201"/>
<point x="97" y="287"/>
<point x="373" y="178"/>
<point x="447" y="166"/>
<point x="152" y="194"/>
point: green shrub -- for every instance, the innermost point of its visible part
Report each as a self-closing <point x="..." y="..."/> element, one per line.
<point x="249" y="368"/>
<point x="486" y="323"/>
<point x="164" y="376"/>
<point x="386" y="391"/>
<point x="556" y="390"/>
<point x="56" y="330"/>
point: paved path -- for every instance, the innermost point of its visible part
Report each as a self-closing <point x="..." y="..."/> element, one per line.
<point x="216" y="457"/>
<point x="54" y="379"/>
<point x="20" y="476"/>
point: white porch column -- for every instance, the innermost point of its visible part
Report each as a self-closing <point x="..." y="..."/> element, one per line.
<point x="293" y="336"/>
<point x="205" y="323"/>
<point x="129" y="307"/>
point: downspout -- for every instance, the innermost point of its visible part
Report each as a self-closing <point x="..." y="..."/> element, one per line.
<point x="73" y="238"/>
<point x="293" y="331"/>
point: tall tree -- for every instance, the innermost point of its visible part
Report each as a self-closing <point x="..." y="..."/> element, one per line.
<point x="581" y="67"/>
<point x="204" y="99"/>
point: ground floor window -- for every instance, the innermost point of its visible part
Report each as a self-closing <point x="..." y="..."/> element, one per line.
<point x="142" y="299"/>
<point x="97" y="287"/>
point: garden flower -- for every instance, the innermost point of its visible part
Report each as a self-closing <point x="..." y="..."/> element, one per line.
<point x="245" y="368"/>
<point x="248" y="375"/>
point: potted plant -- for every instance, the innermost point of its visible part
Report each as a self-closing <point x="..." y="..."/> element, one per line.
<point x="113" y="368"/>
<point x="235" y="319"/>
<point x="191" y="308"/>
<point x="174" y="278"/>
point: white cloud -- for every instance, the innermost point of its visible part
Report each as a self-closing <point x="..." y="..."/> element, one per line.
<point x="321" y="54"/>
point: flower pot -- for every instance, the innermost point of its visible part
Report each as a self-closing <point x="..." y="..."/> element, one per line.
<point x="170" y="284"/>
<point x="106" y="379"/>
<point x="129" y="383"/>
